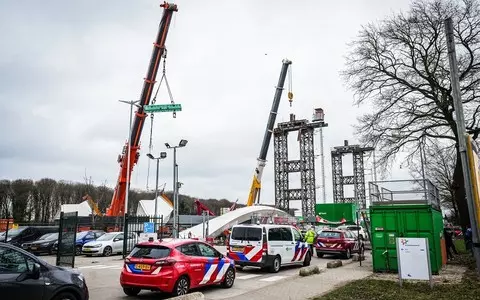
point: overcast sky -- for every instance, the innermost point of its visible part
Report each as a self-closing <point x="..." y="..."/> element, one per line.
<point x="65" y="64"/>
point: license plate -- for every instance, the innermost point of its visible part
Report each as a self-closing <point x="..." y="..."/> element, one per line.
<point x="237" y="249"/>
<point x="86" y="250"/>
<point x="142" y="267"/>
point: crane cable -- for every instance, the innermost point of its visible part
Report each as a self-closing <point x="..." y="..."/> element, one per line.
<point x="164" y="77"/>
<point x="290" y="93"/>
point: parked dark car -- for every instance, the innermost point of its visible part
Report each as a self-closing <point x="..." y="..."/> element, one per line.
<point x="25" y="276"/>
<point x="82" y="238"/>
<point x="24" y="234"/>
<point x="43" y="245"/>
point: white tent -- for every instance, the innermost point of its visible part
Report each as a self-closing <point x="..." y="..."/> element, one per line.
<point x="83" y="208"/>
<point x="147" y="208"/>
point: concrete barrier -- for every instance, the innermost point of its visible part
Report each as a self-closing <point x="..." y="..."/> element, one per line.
<point x="358" y="257"/>
<point x="334" y="264"/>
<point x="311" y="270"/>
<point x="191" y="296"/>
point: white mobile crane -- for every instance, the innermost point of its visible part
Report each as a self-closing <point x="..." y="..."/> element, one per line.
<point x="254" y="195"/>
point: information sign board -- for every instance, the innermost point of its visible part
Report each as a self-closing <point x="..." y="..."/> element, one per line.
<point x="413" y="257"/>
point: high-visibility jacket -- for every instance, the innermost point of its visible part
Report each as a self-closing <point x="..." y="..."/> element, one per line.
<point x="310" y="236"/>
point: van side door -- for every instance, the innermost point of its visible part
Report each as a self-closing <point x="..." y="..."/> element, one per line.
<point x="276" y="244"/>
<point x="288" y="245"/>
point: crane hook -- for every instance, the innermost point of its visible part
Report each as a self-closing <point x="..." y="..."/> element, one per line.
<point x="290" y="98"/>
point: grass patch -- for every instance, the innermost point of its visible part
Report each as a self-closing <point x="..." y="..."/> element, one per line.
<point x="371" y="289"/>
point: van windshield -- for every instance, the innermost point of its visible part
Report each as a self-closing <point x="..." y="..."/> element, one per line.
<point x="247" y="234"/>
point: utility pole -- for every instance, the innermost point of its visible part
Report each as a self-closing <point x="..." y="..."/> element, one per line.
<point x="461" y="135"/>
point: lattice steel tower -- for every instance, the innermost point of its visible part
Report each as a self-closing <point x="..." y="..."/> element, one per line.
<point x="358" y="178"/>
<point x="305" y="165"/>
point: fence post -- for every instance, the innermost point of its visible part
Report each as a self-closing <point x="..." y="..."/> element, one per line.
<point x="161" y="227"/>
<point x="59" y="242"/>
<point x="125" y="235"/>
<point x="6" y="230"/>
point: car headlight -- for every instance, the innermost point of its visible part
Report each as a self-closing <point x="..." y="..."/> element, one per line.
<point x="78" y="279"/>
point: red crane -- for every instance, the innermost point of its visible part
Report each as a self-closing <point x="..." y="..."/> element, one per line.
<point x="117" y="206"/>
<point x="201" y="207"/>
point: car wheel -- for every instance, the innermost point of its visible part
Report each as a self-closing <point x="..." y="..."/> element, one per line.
<point x="348" y="253"/>
<point x="308" y="258"/>
<point x="107" y="251"/>
<point x="229" y="279"/>
<point x="181" y="286"/>
<point x="65" y="296"/>
<point x="320" y="255"/>
<point x="275" y="267"/>
<point x="131" y="291"/>
<point x="78" y="250"/>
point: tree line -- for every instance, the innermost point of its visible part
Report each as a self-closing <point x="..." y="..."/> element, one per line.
<point x="26" y="200"/>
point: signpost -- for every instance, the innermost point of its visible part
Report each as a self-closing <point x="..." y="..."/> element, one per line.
<point x="162" y="108"/>
<point x="413" y="257"/>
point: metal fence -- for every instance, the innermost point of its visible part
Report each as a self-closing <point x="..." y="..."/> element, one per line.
<point x="416" y="191"/>
<point x="141" y="228"/>
<point x="66" y="239"/>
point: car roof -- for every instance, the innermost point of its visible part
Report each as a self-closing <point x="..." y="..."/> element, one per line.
<point x="263" y="225"/>
<point x="335" y="230"/>
<point x="169" y="242"/>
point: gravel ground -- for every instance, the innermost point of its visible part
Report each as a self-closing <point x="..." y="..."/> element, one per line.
<point x="450" y="274"/>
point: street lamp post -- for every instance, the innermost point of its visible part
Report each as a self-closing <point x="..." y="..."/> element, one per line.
<point x="132" y="103"/>
<point x="162" y="156"/>
<point x="181" y="144"/>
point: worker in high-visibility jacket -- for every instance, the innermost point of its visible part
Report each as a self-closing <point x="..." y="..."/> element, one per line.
<point x="310" y="238"/>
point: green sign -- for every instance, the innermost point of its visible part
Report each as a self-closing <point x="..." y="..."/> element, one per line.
<point x="162" y="108"/>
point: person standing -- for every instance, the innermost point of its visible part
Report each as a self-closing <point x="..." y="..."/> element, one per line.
<point x="448" y="243"/>
<point x="310" y="238"/>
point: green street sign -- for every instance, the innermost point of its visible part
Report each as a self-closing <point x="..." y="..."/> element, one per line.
<point x="162" y="108"/>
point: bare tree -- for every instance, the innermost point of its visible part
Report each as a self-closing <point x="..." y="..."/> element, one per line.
<point x="399" y="67"/>
<point x="439" y="170"/>
<point x="5" y="198"/>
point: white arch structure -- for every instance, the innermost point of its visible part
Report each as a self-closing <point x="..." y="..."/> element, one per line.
<point x="218" y="224"/>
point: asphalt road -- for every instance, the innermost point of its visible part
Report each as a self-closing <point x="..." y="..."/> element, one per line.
<point x="102" y="275"/>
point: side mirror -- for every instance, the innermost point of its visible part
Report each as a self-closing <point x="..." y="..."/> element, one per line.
<point x="220" y="255"/>
<point x="35" y="272"/>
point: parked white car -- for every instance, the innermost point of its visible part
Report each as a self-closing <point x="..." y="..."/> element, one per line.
<point x="354" y="229"/>
<point x="108" y="244"/>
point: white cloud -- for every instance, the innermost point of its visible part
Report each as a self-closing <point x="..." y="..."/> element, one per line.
<point x="64" y="70"/>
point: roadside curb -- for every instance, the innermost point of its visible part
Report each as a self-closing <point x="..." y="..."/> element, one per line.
<point x="192" y="296"/>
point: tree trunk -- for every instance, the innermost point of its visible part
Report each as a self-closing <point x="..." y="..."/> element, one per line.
<point x="460" y="196"/>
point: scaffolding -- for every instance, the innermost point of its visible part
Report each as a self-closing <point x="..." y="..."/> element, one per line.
<point x="305" y="165"/>
<point x="357" y="179"/>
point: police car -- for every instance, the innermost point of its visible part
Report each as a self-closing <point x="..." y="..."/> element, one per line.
<point x="175" y="266"/>
<point x="267" y="246"/>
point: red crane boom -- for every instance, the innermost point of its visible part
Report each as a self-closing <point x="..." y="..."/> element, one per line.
<point x="201" y="207"/>
<point x="117" y="206"/>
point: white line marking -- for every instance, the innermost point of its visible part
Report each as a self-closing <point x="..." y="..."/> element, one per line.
<point x="105" y="267"/>
<point x="272" y="278"/>
<point x="90" y="267"/>
<point x="248" y="276"/>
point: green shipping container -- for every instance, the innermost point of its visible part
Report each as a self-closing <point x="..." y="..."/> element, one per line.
<point x="334" y="212"/>
<point x="391" y="221"/>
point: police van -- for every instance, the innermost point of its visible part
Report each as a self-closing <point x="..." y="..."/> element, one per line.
<point x="268" y="246"/>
